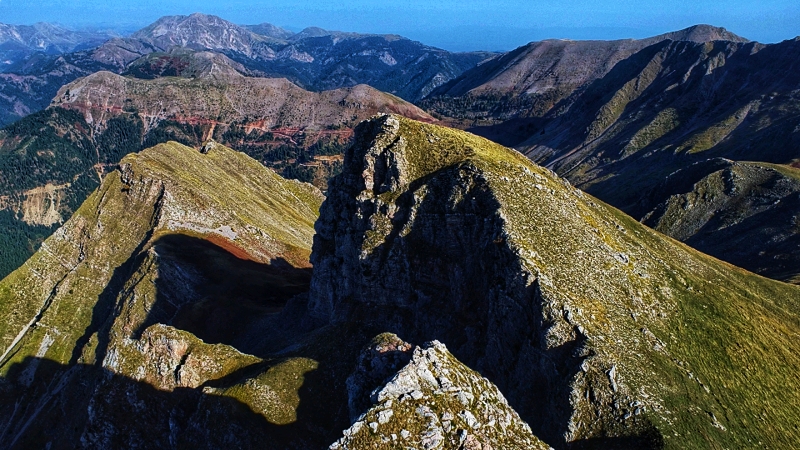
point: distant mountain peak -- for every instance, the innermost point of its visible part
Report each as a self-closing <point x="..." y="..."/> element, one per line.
<point x="181" y="24"/>
<point x="702" y="33"/>
<point x="198" y="31"/>
<point x="270" y="30"/>
<point x="312" y="32"/>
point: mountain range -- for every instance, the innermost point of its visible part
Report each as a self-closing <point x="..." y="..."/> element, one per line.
<point x="21" y="42"/>
<point x="314" y="59"/>
<point x="225" y="236"/>
<point x="567" y="104"/>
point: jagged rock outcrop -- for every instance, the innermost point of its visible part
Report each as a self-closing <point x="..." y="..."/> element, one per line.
<point x="128" y="328"/>
<point x="429" y="400"/>
<point x="598" y="330"/>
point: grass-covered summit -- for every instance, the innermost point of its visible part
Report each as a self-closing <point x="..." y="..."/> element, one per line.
<point x="130" y="326"/>
<point x="598" y="330"/>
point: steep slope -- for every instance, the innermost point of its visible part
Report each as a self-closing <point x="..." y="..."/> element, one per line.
<point x="598" y="330"/>
<point x="140" y="301"/>
<point x="670" y="106"/>
<point x="743" y="213"/>
<point x="674" y="104"/>
<point x="47" y="169"/>
<point x="534" y="79"/>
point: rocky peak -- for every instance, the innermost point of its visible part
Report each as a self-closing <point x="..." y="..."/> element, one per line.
<point x="199" y="31"/>
<point x="430" y="400"/>
<point x="571" y="308"/>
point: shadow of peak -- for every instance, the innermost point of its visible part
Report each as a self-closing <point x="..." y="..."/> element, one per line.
<point x="205" y="289"/>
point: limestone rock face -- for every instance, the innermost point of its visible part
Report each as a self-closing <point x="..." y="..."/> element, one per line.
<point x="432" y="402"/>
<point x="592" y="325"/>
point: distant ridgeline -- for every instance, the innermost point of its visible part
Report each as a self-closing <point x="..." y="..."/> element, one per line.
<point x="199" y="46"/>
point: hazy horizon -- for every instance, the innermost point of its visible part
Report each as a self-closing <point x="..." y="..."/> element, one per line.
<point x="455" y="26"/>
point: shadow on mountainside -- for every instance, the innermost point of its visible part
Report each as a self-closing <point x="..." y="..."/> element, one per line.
<point x="200" y="287"/>
<point x="614" y="140"/>
<point x="208" y="291"/>
<point x="512" y="132"/>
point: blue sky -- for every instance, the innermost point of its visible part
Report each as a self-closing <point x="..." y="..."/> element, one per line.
<point x="450" y="24"/>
